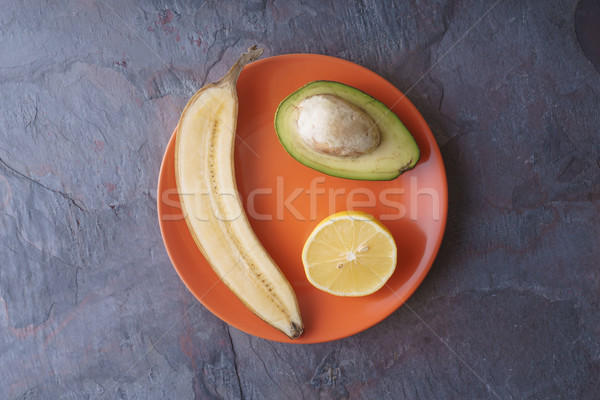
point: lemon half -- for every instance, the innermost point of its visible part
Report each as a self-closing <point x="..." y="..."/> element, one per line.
<point x="349" y="253"/>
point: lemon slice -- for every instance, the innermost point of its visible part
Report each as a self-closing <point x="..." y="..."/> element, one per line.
<point x="349" y="253"/>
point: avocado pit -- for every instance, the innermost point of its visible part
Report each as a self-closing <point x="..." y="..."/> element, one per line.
<point x="331" y="125"/>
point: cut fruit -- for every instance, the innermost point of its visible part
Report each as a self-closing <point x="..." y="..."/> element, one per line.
<point x="213" y="210"/>
<point x="350" y="253"/>
<point x="341" y="131"/>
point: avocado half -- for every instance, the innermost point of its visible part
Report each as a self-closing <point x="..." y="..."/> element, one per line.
<point x="397" y="150"/>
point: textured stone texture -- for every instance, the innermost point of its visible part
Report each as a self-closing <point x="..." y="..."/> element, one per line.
<point x="90" y="304"/>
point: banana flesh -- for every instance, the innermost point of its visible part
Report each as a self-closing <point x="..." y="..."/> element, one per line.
<point x="212" y="207"/>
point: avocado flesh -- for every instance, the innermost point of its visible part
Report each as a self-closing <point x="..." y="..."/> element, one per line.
<point x="396" y="153"/>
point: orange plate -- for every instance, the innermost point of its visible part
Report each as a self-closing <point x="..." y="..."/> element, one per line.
<point x="283" y="207"/>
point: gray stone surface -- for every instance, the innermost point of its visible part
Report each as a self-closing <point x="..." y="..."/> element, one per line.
<point x="90" y="304"/>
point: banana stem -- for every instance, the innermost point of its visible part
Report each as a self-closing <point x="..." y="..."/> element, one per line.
<point x="234" y="72"/>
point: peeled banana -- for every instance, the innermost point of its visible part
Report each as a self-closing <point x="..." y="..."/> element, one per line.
<point x="212" y="207"/>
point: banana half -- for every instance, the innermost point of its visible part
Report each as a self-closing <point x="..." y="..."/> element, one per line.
<point x="212" y="207"/>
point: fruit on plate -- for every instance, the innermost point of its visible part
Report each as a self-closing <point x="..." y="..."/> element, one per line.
<point x="213" y="211"/>
<point x="349" y="253"/>
<point x="342" y="131"/>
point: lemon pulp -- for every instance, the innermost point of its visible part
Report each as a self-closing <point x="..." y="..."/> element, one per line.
<point x="349" y="253"/>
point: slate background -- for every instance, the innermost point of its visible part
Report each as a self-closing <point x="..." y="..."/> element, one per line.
<point x="90" y="304"/>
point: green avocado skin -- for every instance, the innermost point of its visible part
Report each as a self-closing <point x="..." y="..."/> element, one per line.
<point x="398" y="152"/>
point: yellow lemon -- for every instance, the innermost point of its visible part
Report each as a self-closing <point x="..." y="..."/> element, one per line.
<point x="349" y="253"/>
